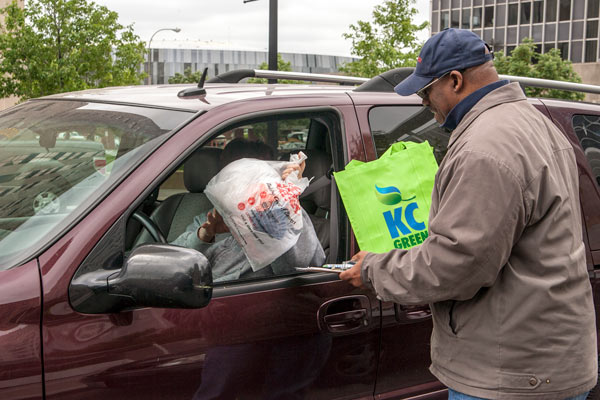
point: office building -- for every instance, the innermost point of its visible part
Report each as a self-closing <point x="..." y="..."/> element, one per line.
<point x="171" y="57"/>
<point x="569" y="25"/>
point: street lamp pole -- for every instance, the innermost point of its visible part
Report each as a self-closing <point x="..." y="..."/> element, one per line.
<point x="272" y="58"/>
<point x="176" y="30"/>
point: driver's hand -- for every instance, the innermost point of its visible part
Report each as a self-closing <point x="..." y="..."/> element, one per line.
<point x="214" y="224"/>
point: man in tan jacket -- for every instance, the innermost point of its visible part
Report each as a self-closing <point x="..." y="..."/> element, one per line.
<point x="504" y="265"/>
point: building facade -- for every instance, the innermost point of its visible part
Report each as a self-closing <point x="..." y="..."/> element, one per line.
<point x="569" y="25"/>
<point x="170" y="58"/>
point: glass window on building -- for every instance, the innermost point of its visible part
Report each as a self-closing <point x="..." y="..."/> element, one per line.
<point x="444" y="20"/>
<point x="466" y="19"/>
<point x="576" y="50"/>
<point x="455" y="22"/>
<point x="564" y="13"/>
<point x="435" y="5"/>
<point x="551" y="10"/>
<point x="445" y="4"/>
<point x="513" y="14"/>
<point x="577" y="30"/>
<point x="592" y="9"/>
<point x="501" y="14"/>
<point x="548" y="47"/>
<point x="591" y="29"/>
<point x="563" y="31"/>
<point x="591" y="51"/>
<point x="524" y="33"/>
<point x="564" y="50"/>
<point x="466" y="3"/>
<point x="578" y="9"/>
<point x="525" y="13"/>
<point x="476" y="22"/>
<point x="537" y="33"/>
<point x="538" y="12"/>
<point x="489" y="17"/>
<point x="435" y="21"/>
<point x="512" y="35"/>
<point x="455" y="3"/>
<point x="499" y="39"/>
<point x="476" y="2"/>
<point x="550" y="35"/>
<point x="509" y="50"/>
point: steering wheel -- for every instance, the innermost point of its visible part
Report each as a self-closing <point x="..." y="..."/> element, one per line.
<point x="150" y="226"/>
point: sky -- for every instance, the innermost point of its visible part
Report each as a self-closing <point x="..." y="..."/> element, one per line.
<point x="305" y="26"/>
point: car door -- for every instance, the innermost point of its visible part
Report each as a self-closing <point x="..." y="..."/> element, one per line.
<point x="299" y="336"/>
<point x="404" y="361"/>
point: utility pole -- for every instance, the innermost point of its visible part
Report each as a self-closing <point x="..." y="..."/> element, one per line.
<point x="272" y="57"/>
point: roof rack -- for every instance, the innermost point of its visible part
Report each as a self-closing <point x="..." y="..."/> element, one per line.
<point x="386" y="81"/>
<point x="238" y="75"/>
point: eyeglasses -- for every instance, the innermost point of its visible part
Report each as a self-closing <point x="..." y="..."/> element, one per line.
<point x="422" y="93"/>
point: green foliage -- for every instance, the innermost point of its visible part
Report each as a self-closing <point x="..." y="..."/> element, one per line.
<point x="54" y="46"/>
<point x="281" y="66"/>
<point x="525" y="61"/>
<point x="187" y="77"/>
<point x="390" y="41"/>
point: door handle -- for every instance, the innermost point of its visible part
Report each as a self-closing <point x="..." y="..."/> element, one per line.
<point x="411" y="314"/>
<point x="345" y="315"/>
<point x="346" y="321"/>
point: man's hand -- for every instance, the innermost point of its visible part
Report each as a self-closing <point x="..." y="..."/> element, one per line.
<point x="352" y="275"/>
<point x="214" y="224"/>
<point x="294" y="167"/>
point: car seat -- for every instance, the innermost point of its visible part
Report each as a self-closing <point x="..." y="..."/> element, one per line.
<point x="176" y="212"/>
<point x="317" y="203"/>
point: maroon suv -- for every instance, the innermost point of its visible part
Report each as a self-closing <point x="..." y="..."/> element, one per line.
<point x="96" y="302"/>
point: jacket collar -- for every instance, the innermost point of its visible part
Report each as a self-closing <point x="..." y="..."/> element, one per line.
<point x="504" y="94"/>
<point x="461" y="109"/>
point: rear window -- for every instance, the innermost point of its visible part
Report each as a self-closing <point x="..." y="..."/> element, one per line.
<point x="390" y="124"/>
<point x="57" y="157"/>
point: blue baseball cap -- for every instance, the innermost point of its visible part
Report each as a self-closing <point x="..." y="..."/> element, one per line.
<point x="451" y="49"/>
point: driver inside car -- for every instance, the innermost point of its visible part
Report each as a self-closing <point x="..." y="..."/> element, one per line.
<point x="209" y="234"/>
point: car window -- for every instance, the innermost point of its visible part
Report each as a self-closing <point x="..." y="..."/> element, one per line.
<point x="587" y="128"/>
<point x="182" y="205"/>
<point x="56" y="157"/>
<point x="286" y="135"/>
<point x="390" y="124"/>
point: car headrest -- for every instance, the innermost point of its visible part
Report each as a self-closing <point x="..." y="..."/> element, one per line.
<point x="317" y="164"/>
<point x="199" y="169"/>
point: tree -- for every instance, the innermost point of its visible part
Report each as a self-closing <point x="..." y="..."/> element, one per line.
<point x="281" y="66"/>
<point x="390" y="41"/>
<point x="54" y="46"/>
<point x="525" y="61"/>
<point x="187" y="77"/>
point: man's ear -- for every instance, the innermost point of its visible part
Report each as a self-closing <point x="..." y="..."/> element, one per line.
<point x="457" y="81"/>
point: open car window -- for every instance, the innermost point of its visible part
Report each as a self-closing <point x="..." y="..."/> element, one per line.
<point x="180" y="205"/>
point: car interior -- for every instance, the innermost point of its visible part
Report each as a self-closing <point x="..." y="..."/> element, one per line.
<point x="173" y="205"/>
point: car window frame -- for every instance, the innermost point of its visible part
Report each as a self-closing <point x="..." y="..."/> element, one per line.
<point x="260" y="284"/>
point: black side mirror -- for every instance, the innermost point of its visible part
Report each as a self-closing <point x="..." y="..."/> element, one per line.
<point x="155" y="275"/>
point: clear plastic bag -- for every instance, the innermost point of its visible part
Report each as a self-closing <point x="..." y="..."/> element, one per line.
<point x="260" y="209"/>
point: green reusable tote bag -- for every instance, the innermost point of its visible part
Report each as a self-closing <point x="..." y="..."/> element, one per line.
<point x="387" y="200"/>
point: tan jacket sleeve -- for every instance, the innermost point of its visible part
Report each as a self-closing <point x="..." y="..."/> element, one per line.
<point x="476" y="217"/>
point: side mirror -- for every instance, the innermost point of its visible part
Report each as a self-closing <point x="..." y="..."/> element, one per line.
<point x="155" y="275"/>
<point x="47" y="140"/>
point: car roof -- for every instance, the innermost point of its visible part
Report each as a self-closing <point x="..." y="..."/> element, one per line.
<point x="165" y="96"/>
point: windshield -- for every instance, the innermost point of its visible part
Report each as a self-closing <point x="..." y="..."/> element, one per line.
<point x="57" y="157"/>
